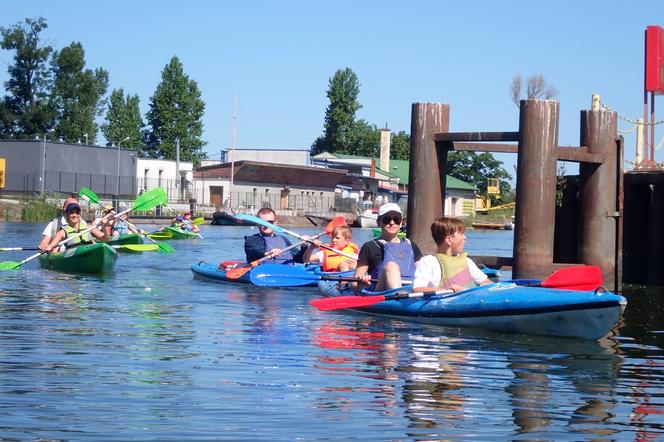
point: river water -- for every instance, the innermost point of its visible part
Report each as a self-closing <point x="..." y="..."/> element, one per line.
<point x="148" y="352"/>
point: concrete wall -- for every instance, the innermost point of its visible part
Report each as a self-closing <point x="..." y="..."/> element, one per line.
<point x="274" y="156"/>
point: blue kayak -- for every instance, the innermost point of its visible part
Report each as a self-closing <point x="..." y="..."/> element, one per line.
<point x="212" y="272"/>
<point x="506" y="307"/>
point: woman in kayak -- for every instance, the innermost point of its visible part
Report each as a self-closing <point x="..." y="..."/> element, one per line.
<point x="330" y="260"/>
<point x="267" y="243"/>
<point x="384" y="261"/>
<point x="187" y="224"/>
<point x="450" y="267"/>
<point x="52" y="228"/>
<point x="75" y="225"/>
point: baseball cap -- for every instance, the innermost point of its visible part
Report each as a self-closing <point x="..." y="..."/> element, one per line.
<point x="389" y="207"/>
<point x="179" y="218"/>
<point x="71" y="207"/>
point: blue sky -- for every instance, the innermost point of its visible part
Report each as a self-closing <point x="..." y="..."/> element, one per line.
<point x="278" y="57"/>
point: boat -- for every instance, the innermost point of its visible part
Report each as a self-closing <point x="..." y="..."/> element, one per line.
<point x="367" y="219"/>
<point x="129" y="238"/>
<point x="178" y="233"/>
<point x="511" y="306"/>
<point x="86" y="258"/>
<point x="225" y="219"/>
<point x="216" y="273"/>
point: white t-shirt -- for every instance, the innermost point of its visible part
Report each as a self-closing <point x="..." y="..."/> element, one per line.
<point x="427" y="273"/>
<point x="49" y="226"/>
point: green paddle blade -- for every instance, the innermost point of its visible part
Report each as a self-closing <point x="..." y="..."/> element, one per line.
<point x="10" y="265"/>
<point x="165" y="248"/>
<point x="137" y="247"/>
<point x="150" y="199"/>
<point x="159" y="235"/>
<point x="89" y="195"/>
<point x="199" y="220"/>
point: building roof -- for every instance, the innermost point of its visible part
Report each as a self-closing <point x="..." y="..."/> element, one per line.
<point x="281" y="174"/>
<point x="398" y="168"/>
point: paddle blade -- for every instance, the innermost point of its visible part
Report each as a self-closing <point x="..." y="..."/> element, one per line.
<point x="89" y="195"/>
<point x="10" y="265"/>
<point x="335" y="222"/>
<point x="160" y="235"/>
<point x="346" y="302"/>
<point x="137" y="247"/>
<point x="165" y="248"/>
<point x="150" y="199"/>
<point x="198" y="221"/>
<point x="237" y="272"/>
<point x="266" y="279"/>
<point x="583" y="278"/>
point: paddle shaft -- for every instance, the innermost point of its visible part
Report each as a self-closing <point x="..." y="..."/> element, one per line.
<point x="355" y="301"/>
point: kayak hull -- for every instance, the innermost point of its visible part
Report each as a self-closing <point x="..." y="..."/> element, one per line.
<point x="508" y="307"/>
<point x="131" y="238"/>
<point x="179" y="233"/>
<point x="212" y="272"/>
<point x="88" y="258"/>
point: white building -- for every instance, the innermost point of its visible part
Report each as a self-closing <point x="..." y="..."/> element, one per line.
<point x="151" y="173"/>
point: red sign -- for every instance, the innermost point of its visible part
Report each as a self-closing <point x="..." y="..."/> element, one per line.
<point x="655" y="59"/>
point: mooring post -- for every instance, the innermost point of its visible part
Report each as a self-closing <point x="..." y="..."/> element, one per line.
<point x="599" y="213"/>
<point x="427" y="172"/>
<point x="535" y="189"/>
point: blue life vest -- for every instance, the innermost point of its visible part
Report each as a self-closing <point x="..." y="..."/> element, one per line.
<point x="121" y="228"/>
<point x="400" y="252"/>
<point x="277" y="242"/>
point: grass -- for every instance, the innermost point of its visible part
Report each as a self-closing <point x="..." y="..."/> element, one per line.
<point x="38" y="210"/>
<point x="493" y="216"/>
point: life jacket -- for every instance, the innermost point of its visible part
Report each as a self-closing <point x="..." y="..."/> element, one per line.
<point x="277" y="242"/>
<point x="400" y="252"/>
<point x="70" y="231"/>
<point x="56" y="224"/>
<point x="186" y="225"/>
<point x="454" y="270"/>
<point x="121" y="228"/>
<point x="332" y="259"/>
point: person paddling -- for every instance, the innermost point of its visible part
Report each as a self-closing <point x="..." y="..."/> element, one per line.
<point x="56" y="223"/>
<point x="75" y="224"/>
<point x="187" y="224"/>
<point x="267" y="243"/>
<point x="383" y="262"/>
<point x="332" y="261"/>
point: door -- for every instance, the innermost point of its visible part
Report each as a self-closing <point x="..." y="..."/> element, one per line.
<point x="217" y="196"/>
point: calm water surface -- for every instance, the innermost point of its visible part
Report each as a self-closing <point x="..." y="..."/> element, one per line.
<point x="149" y="353"/>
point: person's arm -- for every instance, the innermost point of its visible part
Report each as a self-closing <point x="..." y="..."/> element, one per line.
<point x="56" y="239"/>
<point x="254" y="247"/>
<point x="478" y="275"/>
<point x="309" y="255"/>
<point x="427" y="274"/>
<point x="362" y="269"/>
<point x="45" y="241"/>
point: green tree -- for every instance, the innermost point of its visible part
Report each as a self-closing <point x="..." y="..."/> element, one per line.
<point x="400" y="146"/>
<point x="25" y="111"/>
<point x="176" y="112"/>
<point x="343" y="92"/>
<point x="124" y="125"/>
<point x="475" y="168"/>
<point x="77" y="94"/>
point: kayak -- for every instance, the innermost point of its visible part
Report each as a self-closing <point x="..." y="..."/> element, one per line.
<point x="377" y="231"/>
<point x="160" y="235"/>
<point x="506" y="307"/>
<point x="129" y="238"/>
<point x="177" y="233"/>
<point x="213" y="272"/>
<point x="86" y="258"/>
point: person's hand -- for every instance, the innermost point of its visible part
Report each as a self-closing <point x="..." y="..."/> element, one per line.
<point x="457" y="288"/>
<point x="274" y="252"/>
<point x="365" y="279"/>
<point x="142" y="232"/>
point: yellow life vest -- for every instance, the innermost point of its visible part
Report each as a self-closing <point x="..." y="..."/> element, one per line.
<point x="454" y="270"/>
<point x="332" y="259"/>
<point x="70" y="231"/>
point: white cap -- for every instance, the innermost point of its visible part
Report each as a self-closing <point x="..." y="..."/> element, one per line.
<point x="389" y="207"/>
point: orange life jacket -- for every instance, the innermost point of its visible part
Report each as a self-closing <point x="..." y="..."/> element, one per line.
<point x="332" y="259"/>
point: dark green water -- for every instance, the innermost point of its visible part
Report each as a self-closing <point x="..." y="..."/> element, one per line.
<point x="149" y="353"/>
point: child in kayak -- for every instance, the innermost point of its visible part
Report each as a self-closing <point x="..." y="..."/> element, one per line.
<point x="384" y="261"/>
<point x="267" y="243"/>
<point x="187" y="224"/>
<point x="450" y="267"/>
<point x="76" y="224"/>
<point x="330" y="260"/>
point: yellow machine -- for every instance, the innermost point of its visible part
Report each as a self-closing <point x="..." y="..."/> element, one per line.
<point x="483" y="203"/>
<point x="2" y="173"/>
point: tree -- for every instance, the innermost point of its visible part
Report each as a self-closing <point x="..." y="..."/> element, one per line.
<point x="475" y="168"/>
<point x="124" y="125"/>
<point x="26" y="110"/>
<point x="176" y="112"/>
<point x="536" y="88"/>
<point x="77" y="94"/>
<point x="343" y="91"/>
<point x="400" y="149"/>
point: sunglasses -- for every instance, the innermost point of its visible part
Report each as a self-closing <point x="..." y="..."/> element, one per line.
<point x="386" y="219"/>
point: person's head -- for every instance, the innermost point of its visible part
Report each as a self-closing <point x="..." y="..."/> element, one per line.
<point x="187" y="215"/>
<point x="390" y="218"/>
<point x="449" y="233"/>
<point x="73" y="213"/>
<point x="68" y="201"/>
<point x="267" y="214"/>
<point x="178" y="219"/>
<point x="341" y="236"/>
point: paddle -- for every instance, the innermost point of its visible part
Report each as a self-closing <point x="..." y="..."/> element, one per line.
<point x="92" y="197"/>
<point x="355" y="301"/>
<point x="131" y="247"/>
<point x="279" y="229"/>
<point x="198" y="221"/>
<point x="279" y="275"/>
<point x="146" y="201"/>
<point x="581" y="278"/>
<point x="236" y="273"/>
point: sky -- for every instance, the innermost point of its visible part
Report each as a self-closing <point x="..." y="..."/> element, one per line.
<point x="277" y="59"/>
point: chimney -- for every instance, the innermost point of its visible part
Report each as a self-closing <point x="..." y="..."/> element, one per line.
<point x="385" y="149"/>
<point x="372" y="170"/>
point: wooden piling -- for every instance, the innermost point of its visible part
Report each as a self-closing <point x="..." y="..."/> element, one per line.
<point x="427" y="172"/>
<point x="536" y="189"/>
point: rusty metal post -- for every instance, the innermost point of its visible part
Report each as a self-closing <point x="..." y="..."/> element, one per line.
<point x="535" y="188"/>
<point x="427" y="172"/>
<point x="599" y="194"/>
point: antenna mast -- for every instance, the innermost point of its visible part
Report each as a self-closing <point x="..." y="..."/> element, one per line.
<point x="230" y="191"/>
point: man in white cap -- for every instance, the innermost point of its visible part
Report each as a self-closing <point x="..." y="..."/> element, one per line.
<point x="383" y="262"/>
<point x="56" y="224"/>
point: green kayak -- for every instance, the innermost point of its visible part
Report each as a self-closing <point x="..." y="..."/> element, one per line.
<point x="130" y="238"/>
<point x="87" y="258"/>
<point x="178" y="233"/>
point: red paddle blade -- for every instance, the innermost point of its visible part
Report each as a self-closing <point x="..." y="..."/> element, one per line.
<point x="239" y="271"/>
<point x="584" y="278"/>
<point x="346" y="302"/>
<point x="335" y="222"/>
